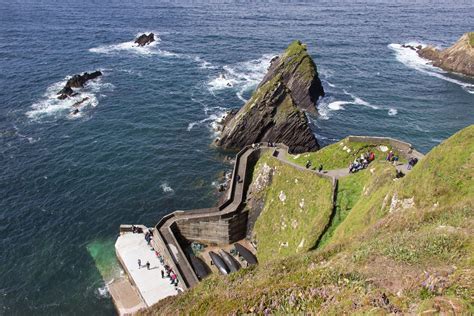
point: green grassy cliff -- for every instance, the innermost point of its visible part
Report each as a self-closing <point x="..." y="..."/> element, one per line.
<point x="393" y="245"/>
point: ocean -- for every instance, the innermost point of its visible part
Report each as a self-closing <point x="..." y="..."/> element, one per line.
<point x="140" y="147"/>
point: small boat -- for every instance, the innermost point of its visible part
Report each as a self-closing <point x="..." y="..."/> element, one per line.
<point x="219" y="263"/>
<point x="247" y="254"/>
<point x="199" y="267"/>
<point x="233" y="264"/>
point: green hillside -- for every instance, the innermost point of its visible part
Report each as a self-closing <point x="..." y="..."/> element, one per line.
<point x="393" y="245"/>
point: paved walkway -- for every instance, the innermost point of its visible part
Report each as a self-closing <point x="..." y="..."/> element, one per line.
<point x="152" y="288"/>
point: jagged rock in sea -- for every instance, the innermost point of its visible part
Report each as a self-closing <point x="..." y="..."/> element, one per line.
<point x="77" y="81"/>
<point x="276" y="111"/>
<point x="457" y="58"/>
<point x="144" y="39"/>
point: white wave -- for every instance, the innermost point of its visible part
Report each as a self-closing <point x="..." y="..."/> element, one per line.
<point x="392" y="112"/>
<point x="166" y="188"/>
<point x="221" y="82"/>
<point x="337" y="105"/>
<point x="411" y="59"/>
<point x="132" y="47"/>
<point x="332" y="85"/>
<point x="50" y="106"/>
<point x="323" y="110"/>
<point x="360" y="101"/>
<point x="215" y="115"/>
<point x="243" y="76"/>
<point x="325" y="73"/>
<point x="103" y="291"/>
<point x="204" y="64"/>
<point x="126" y="46"/>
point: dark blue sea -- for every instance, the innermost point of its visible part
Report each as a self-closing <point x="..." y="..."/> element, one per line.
<point x="140" y="147"/>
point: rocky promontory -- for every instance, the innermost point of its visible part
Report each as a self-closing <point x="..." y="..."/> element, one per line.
<point x="457" y="58"/>
<point x="145" y="39"/>
<point x="276" y="111"/>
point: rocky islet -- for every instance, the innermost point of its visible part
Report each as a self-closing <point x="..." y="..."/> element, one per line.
<point x="276" y="112"/>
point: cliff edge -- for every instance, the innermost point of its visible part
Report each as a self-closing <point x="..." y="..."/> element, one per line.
<point x="457" y="58"/>
<point x="276" y="111"/>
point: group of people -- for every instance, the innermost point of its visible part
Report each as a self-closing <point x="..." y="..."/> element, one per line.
<point x="391" y="157"/>
<point x="147" y="264"/>
<point x="136" y="230"/>
<point x="362" y="162"/>
<point x="170" y="274"/>
<point x="309" y="164"/>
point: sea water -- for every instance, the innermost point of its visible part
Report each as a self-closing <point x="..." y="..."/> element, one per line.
<point x="140" y="146"/>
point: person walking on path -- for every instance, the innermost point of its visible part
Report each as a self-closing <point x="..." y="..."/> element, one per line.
<point x="139" y="263"/>
<point x="148" y="265"/>
<point x="162" y="274"/>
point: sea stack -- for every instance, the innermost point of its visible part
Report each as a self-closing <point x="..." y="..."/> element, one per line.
<point x="276" y="111"/>
<point x="457" y="58"/>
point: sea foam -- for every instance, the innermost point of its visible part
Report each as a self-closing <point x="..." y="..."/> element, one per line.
<point x="392" y="112"/>
<point x="243" y="76"/>
<point x="411" y="59"/>
<point x="165" y="187"/>
<point x="49" y="106"/>
<point x="133" y="48"/>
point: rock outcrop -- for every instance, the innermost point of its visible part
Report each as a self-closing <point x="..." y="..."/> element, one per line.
<point x="276" y="111"/>
<point x="77" y="81"/>
<point x="145" y="39"/>
<point x="457" y="58"/>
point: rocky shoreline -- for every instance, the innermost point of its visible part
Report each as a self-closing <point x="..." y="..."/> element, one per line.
<point x="458" y="58"/>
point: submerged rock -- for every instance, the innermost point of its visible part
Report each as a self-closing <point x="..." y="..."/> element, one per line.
<point x="276" y="111"/>
<point x="145" y="39"/>
<point x="457" y="58"/>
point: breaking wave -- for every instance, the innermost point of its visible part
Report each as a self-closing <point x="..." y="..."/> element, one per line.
<point x="243" y="76"/>
<point x="360" y="101"/>
<point x="165" y="187"/>
<point x="49" y="106"/>
<point x="392" y="112"/>
<point x="131" y="47"/>
<point x="410" y="58"/>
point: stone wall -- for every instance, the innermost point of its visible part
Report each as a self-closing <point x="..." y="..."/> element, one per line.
<point x="405" y="149"/>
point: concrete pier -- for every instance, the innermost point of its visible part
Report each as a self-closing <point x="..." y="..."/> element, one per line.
<point x="142" y="287"/>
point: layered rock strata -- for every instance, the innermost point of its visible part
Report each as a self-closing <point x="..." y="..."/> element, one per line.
<point x="457" y="58"/>
<point x="276" y="111"/>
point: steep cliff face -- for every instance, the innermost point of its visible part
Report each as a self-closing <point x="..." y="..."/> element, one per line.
<point x="458" y="58"/>
<point x="275" y="113"/>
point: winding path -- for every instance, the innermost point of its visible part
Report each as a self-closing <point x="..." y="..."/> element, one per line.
<point x="165" y="232"/>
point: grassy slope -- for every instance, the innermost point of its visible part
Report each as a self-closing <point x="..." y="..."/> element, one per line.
<point x="471" y="39"/>
<point x="410" y="239"/>
<point x="334" y="157"/>
<point x="285" y="228"/>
